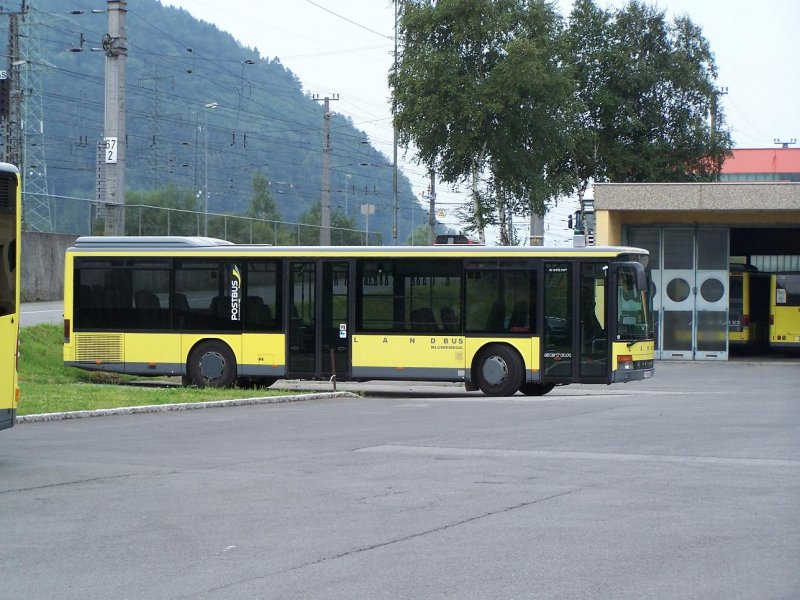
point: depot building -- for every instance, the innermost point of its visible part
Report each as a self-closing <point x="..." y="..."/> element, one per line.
<point x="696" y="231"/>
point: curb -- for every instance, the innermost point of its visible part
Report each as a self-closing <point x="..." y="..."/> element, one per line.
<point x="155" y="408"/>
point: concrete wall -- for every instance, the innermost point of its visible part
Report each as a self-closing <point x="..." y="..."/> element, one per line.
<point x="724" y="204"/>
<point x="43" y="265"/>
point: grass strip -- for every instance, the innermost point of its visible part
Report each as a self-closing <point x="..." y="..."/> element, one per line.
<point x="48" y="386"/>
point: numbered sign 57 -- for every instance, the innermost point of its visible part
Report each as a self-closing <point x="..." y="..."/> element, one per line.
<point x="111" y="149"/>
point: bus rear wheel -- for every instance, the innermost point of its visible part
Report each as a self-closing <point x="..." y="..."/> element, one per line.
<point x="499" y="371"/>
<point x="536" y="389"/>
<point x="211" y="364"/>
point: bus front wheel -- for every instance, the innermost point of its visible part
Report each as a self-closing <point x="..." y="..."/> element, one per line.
<point x="536" y="389"/>
<point x="499" y="371"/>
<point x="211" y="364"/>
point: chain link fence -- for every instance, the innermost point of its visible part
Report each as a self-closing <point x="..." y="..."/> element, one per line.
<point x="79" y="216"/>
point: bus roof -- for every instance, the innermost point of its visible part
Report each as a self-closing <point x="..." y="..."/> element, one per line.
<point x="170" y="244"/>
<point x="150" y="242"/>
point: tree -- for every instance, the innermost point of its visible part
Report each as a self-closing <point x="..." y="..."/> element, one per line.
<point x="646" y="97"/>
<point x="343" y="229"/>
<point x="262" y="206"/>
<point x="418" y="237"/>
<point x="499" y="92"/>
<point x="166" y="211"/>
<point x="479" y="92"/>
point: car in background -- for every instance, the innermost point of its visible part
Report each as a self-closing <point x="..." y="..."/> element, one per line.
<point x="453" y="238"/>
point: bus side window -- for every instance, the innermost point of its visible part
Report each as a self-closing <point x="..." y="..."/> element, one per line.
<point x="12" y="256"/>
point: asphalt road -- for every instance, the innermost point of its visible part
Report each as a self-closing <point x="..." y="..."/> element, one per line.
<point x="684" y="486"/>
<point x="34" y="313"/>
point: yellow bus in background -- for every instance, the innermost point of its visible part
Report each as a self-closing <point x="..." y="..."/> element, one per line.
<point x="498" y="319"/>
<point x="748" y="314"/>
<point x="784" y="312"/>
<point x="10" y="236"/>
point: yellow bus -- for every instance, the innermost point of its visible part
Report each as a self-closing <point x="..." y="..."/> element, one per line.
<point x="784" y="312"/>
<point x="748" y="314"/>
<point x="10" y="236"/>
<point x="500" y="320"/>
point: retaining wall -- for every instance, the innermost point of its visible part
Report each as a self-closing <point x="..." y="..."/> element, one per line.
<point x="43" y="265"/>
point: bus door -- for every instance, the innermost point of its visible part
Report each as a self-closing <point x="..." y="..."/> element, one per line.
<point x="319" y="324"/>
<point x="695" y="294"/>
<point x="574" y="340"/>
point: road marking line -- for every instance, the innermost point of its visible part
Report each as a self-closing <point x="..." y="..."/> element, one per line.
<point x="503" y="453"/>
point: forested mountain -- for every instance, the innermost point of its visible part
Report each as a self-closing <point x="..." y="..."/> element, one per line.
<point x="197" y="97"/>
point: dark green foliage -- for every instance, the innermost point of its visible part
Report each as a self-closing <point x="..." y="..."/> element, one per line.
<point x="479" y="87"/>
<point x="645" y="90"/>
<point x="145" y="214"/>
<point x="504" y="92"/>
<point x="343" y="229"/>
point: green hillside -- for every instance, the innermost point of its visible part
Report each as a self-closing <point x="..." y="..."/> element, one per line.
<point x="176" y="66"/>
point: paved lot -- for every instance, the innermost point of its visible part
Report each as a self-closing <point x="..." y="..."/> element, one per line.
<point x="684" y="486"/>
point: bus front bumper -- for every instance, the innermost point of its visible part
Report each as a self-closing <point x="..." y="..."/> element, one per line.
<point x="635" y="374"/>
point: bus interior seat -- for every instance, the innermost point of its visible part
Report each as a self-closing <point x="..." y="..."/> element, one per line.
<point x="97" y="297"/>
<point x="181" y="309"/>
<point x="220" y="307"/>
<point x="84" y="297"/>
<point x="256" y="312"/>
<point x="181" y="303"/>
<point x="520" y="318"/>
<point x="117" y="298"/>
<point x="495" y="320"/>
<point x="422" y="319"/>
<point x="146" y="300"/>
<point x="449" y="318"/>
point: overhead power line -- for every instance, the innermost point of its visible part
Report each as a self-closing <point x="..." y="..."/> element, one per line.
<point x="343" y="18"/>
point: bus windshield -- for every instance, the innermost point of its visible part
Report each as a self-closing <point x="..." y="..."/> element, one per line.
<point x="632" y="319"/>
<point x="787" y="291"/>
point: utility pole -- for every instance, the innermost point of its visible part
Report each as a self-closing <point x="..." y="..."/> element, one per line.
<point x="715" y="95"/>
<point x="111" y="186"/>
<point x="325" y="216"/>
<point x="206" y="107"/>
<point x="431" y="210"/>
<point x="537" y="229"/>
<point x="394" y="137"/>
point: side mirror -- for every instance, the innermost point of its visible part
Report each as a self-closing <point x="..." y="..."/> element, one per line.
<point x="641" y="280"/>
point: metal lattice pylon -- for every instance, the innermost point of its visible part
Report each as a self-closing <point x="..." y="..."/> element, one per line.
<point x="36" y="197"/>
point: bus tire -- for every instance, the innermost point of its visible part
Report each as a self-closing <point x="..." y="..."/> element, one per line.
<point x="211" y="364"/>
<point x="536" y="389"/>
<point x="499" y="370"/>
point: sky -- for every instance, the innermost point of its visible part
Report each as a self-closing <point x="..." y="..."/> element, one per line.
<point x="346" y="48"/>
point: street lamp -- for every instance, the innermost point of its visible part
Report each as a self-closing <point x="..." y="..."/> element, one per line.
<point x="208" y="106"/>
